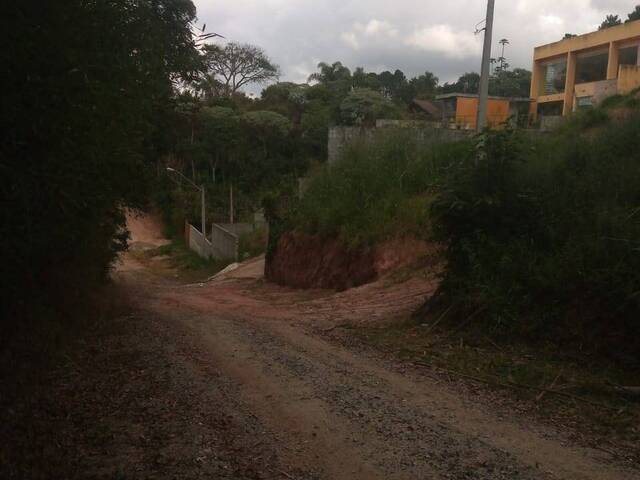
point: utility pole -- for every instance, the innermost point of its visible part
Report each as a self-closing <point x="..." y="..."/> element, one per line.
<point x="486" y="65"/>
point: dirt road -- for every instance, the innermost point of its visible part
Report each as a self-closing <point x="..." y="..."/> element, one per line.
<point x="271" y="396"/>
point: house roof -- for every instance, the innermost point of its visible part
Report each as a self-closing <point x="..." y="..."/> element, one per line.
<point x="428" y="107"/>
<point x="475" y="95"/>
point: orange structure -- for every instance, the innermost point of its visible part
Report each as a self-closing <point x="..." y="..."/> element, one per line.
<point x="460" y="110"/>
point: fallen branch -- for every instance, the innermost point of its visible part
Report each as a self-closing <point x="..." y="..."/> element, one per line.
<point x="520" y="386"/>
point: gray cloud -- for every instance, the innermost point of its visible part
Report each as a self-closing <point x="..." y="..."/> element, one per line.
<point x="411" y="35"/>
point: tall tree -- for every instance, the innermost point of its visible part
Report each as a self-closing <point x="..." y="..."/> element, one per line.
<point x="511" y="83"/>
<point x="334" y="75"/>
<point x="239" y="65"/>
<point x="610" y="21"/>
<point x="467" y="83"/>
<point x="501" y="59"/>
<point x="79" y="118"/>
<point x="364" y="107"/>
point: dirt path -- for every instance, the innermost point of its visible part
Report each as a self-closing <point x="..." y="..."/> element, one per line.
<point x="238" y="379"/>
<point x="308" y="408"/>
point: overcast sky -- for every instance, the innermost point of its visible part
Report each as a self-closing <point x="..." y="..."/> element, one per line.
<point x="412" y="35"/>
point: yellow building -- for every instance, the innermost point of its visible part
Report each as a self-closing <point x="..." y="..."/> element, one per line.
<point x="581" y="71"/>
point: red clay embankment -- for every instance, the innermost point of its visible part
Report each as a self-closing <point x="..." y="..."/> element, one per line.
<point x="309" y="261"/>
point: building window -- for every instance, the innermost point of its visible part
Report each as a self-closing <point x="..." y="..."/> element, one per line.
<point x="629" y="55"/>
<point x="551" y="109"/>
<point x="592" y="67"/>
<point x="584" y="102"/>
<point x="554" y="75"/>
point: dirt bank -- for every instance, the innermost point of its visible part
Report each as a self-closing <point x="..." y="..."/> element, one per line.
<point x="310" y="261"/>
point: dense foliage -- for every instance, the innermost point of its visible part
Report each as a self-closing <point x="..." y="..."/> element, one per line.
<point x="542" y="231"/>
<point x="84" y="83"/>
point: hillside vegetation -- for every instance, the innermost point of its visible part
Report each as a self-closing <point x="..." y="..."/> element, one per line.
<point x="542" y="232"/>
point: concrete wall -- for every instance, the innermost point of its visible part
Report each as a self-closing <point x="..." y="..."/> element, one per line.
<point x="597" y="90"/>
<point x="498" y="112"/>
<point x="628" y="78"/>
<point x="339" y="137"/>
<point x="199" y="243"/>
<point x="225" y="239"/>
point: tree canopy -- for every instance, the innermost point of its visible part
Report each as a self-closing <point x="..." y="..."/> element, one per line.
<point x="238" y="65"/>
<point x="81" y="121"/>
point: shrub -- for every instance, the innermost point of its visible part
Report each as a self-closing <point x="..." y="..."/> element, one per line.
<point x="544" y="232"/>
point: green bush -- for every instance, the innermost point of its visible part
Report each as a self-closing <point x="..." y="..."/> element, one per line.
<point x="544" y="233"/>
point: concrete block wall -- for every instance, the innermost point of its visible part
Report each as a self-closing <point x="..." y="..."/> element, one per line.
<point x="341" y="136"/>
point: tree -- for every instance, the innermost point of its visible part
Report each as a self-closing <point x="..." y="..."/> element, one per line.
<point x="328" y="74"/>
<point x="514" y="83"/>
<point x="610" y="21"/>
<point x="423" y="87"/>
<point x="239" y="65"/>
<point x="208" y="86"/>
<point x="501" y="59"/>
<point x="266" y="126"/>
<point x="81" y="115"/>
<point x="220" y="133"/>
<point x="635" y="15"/>
<point x="364" y="107"/>
<point x="467" y="83"/>
<point x="286" y="98"/>
<point x="362" y="79"/>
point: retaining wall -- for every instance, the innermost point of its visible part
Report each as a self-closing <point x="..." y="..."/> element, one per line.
<point x="425" y="133"/>
<point x="225" y="239"/>
<point x="199" y="243"/>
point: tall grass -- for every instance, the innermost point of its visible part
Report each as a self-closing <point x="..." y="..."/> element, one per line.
<point x="377" y="189"/>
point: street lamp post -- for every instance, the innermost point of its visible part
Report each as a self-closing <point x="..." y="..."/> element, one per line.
<point x="201" y="189"/>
